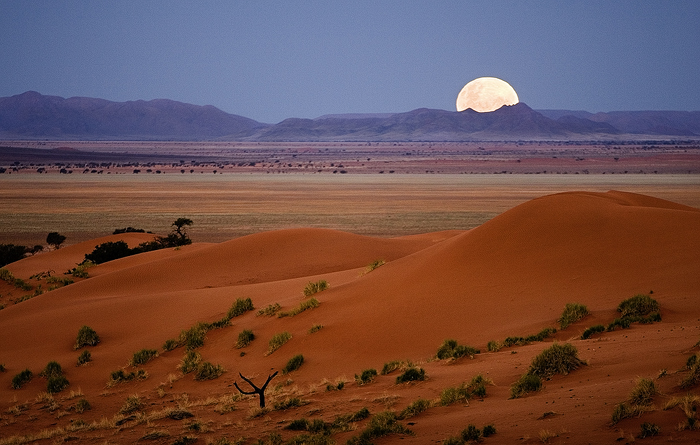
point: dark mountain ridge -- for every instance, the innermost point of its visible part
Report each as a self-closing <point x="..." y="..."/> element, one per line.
<point x="32" y="115"/>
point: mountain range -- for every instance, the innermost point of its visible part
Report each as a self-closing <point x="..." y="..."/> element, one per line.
<point x="31" y="115"/>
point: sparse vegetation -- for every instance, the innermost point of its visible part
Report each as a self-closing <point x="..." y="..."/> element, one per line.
<point x="366" y="376"/>
<point x="289" y="402"/>
<point x="56" y="383"/>
<point x="119" y="376"/>
<point x="416" y="407"/>
<point x="190" y="362"/>
<point x="19" y="283"/>
<point x="277" y="341"/>
<point x="525" y="384"/>
<point x="373" y="265"/>
<point x="381" y="424"/>
<point x="315" y="287"/>
<point x="451" y="349"/>
<point x="244" y="338"/>
<point x="293" y="364"/>
<point x="411" y="375"/>
<point x="393" y="365"/>
<point x="464" y="392"/>
<point x="573" y="312"/>
<point x="81" y="270"/>
<point x="640" y="400"/>
<point x="693" y="376"/>
<point x="21" y="379"/>
<point x="592" y="330"/>
<point x="315" y="328"/>
<point x="86" y="337"/>
<point x="303" y="306"/>
<point x="82" y="405"/>
<point x="133" y="403"/>
<point x="270" y="310"/>
<point x="638" y="306"/>
<point x="649" y="430"/>
<point x="240" y="307"/>
<point x="84" y="358"/>
<point x="557" y="359"/>
<point x="143" y="356"/>
<point x="208" y="371"/>
<point x="690" y="405"/>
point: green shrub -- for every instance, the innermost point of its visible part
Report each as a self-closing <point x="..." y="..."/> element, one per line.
<point x="313" y="288"/>
<point x="240" y="307"/>
<point x="303" y="306"/>
<point x="270" y="310"/>
<point x="638" y="306"/>
<point x="366" y="376"/>
<point x="190" y="362"/>
<point x="451" y="349"/>
<point x="557" y="359"/>
<point x="573" y="312"/>
<point x="592" y="330"/>
<point x="277" y="341"/>
<point x="20" y="379"/>
<point x="143" y="356"/>
<point x="293" y="364"/>
<point x="52" y="369"/>
<point x="415" y="408"/>
<point x="244" y="338"/>
<point x="648" y="430"/>
<point x="411" y="375"/>
<point x="527" y="383"/>
<point x="643" y="392"/>
<point x="86" y="337"/>
<point x="56" y="383"/>
<point x="208" y="371"/>
<point x="132" y="403"/>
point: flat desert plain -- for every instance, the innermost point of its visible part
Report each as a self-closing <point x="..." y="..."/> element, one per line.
<point x="489" y="261"/>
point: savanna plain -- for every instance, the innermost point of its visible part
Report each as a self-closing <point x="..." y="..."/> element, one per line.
<point x="517" y="307"/>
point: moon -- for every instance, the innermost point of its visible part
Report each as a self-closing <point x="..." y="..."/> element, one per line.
<point x="486" y="94"/>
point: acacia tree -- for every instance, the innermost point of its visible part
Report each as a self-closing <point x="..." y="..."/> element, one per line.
<point x="55" y="239"/>
<point x="180" y="229"/>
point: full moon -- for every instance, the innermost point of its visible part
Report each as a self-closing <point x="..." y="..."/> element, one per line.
<point x="486" y="94"/>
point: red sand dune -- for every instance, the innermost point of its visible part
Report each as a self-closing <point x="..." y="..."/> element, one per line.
<point x="511" y="276"/>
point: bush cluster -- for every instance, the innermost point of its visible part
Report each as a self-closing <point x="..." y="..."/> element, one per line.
<point x="315" y="287"/>
<point x="303" y="306"/>
<point x="557" y="359"/>
<point x="366" y="376"/>
<point x="119" y="376"/>
<point x="208" y="371"/>
<point x="462" y="393"/>
<point x="143" y="356"/>
<point x="470" y="434"/>
<point x="411" y="375"/>
<point x="21" y="379"/>
<point x="451" y="349"/>
<point x="381" y="424"/>
<point x="240" y="307"/>
<point x="573" y="312"/>
<point x="638" y="309"/>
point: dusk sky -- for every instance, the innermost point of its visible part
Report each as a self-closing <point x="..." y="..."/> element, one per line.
<point x="273" y="60"/>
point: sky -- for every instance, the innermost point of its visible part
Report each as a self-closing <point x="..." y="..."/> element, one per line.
<point x="271" y="60"/>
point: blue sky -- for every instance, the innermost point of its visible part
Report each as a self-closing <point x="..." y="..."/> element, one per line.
<point x="273" y="60"/>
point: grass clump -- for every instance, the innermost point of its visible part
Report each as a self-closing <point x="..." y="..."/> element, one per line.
<point x="366" y="376"/>
<point x="51" y="369"/>
<point x="81" y="270"/>
<point x="56" y="384"/>
<point x="289" y="402"/>
<point x="381" y="424"/>
<point x="277" y="341"/>
<point x="374" y="265"/>
<point x="270" y="310"/>
<point x="525" y="384"/>
<point x="690" y="405"/>
<point x="693" y="376"/>
<point x="293" y="364"/>
<point x="303" y="306"/>
<point x="393" y="365"/>
<point x="208" y="371"/>
<point x="315" y="287"/>
<point x="119" y="376"/>
<point x="649" y="430"/>
<point x="451" y="349"/>
<point x="143" y="356"/>
<point x="557" y="359"/>
<point x="643" y="392"/>
<point x="462" y="393"/>
<point x="573" y="312"/>
<point x="84" y="358"/>
<point x="240" y="307"/>
<point x="190" y="362"/>
<point x="193" y="337"/>
<point x="86" y="337"/>
<point x="21" y="379"/>
<point x="592" y="330"/>
<point x="315" y="328"/>
<point x="132" y="404"/>
<point x="416" y="407"/>
<point x="638" y="306"/>
<point x="244" y="338"/>
<point x="411" y="375"/>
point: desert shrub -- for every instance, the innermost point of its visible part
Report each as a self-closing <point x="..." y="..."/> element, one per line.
<point x="81" y="270"/>
<point x="132" y="403"/>
<point x="55" y="239"/>
<point x="289" y="402"/>
<point x="381" y="424"/>
<point x="219" y="324"/>
<point x="494" y="346"/>
<point x="393" y="365"/>
<point x="119" y="376"/>
<point x="170" y="344"/>
<point x="464" y="392"/>
<point x="692" y="360"/>
<point x="373" y="265"/>
<point x="416" y="407"/>
<point x="82" y="405"/>
<point x="240" y="307"/>
<point x="411" y="375"/>
<point x="315" y="328"/>
<point x="22" y="378"/>
<point x="557" y="359"/>
<point x="624" y="411"/>
<point x="451" y="349"/>
<point x="293" y="364"/>
<point x="109" y="251"/>
<point x="56" y="383"/>
<point x="143" y="356"/>
<point x="366" y="376"/>
<point x="592" y="330"/>
<point x="541" y="336"/>
<point x="303" y="306"/>
<point x="190" y="362"/>
<point x="573" y="312"/>
<point x="337" y="387"/>
<point x="638" y="306"/>
<point x="471" y="434"/>
<point x="270" y="310"/>
<point x="488" y="430"/>
<point x="643" y="392"/>
<point x="86" y="337"/>
<point x="277" y="341"/>
<point x="2" y="367"/>
<point x="208" y="371"/>
<point x="648" y="430"/>
<point x="313" y="288"/>
<point x="693" y="376"/>
<point x="193" y="337"/>
<point x="244" y="338"/>
<point x="525" y="384"/>
<point x="51" y="369"/>
<point x="9" y="253"/>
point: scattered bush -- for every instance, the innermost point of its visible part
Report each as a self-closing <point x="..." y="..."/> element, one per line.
<point x="643" y="392"/>
<point x="690" y="405"/>
<point x="240" y="307"/>
<point x="592" y="330"/>
<point x="56" y="383"/>
<point x="52" y="369"/>
<point x="557" y="359"/>
<point x="303" y="306"/>
<point x="20" y="379"/>
<point x="270" y="310"/>
<point x="648" y="430"/>
<point x="411" y="375"/>
<point x="132" y="403"/>
<point x="638" y="306"/>
<point x="471" y="434"/>
<point x="277" y="341"/>
<point x="244" y="338"/>
<point x="527" y="383"/>
<point x="451" y="349"/>
<point x="190" y="362"/>
<point x="313" y="288"/>
<point x="489" y="430"/>
<point x="119" y="376"/>
<point x="573" y="312"/>
<point x="464" y="392"/>
<point x="143" y="356"/>
<point x="367" y="376"/>
<point x="414" y="409"/>
<point x="208" y="371"/>
<point x="86" y="337"/>
<point x="293" y="364"/>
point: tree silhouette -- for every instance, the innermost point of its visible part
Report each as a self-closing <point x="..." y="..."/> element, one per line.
<point x="259" y="391"/>
<point x="55" y="239"/>
<point x="179" y="228"/>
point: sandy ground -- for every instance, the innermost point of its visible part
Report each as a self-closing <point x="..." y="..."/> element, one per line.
<point x="510" y="276"/>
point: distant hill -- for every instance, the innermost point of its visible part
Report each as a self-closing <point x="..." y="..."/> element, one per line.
<point x="34" y="116"/>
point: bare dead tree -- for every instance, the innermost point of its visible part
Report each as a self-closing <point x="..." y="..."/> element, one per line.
<point x="259" y="391"/>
